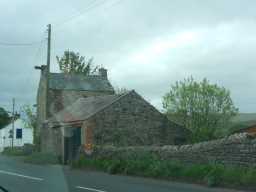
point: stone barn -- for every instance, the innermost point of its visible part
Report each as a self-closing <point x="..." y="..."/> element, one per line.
<point x="118" y="120"/>
<point x="59" y="92"/>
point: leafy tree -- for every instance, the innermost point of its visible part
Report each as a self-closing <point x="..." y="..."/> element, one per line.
<point x="4" y="118"/>
<point x="202" y="107"/>
<point x="73" y="63"/>
<point x="30" y="121"/>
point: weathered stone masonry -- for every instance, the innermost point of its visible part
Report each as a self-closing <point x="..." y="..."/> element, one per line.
<point x="133" y="121"/>
<point x="236" y="150"/>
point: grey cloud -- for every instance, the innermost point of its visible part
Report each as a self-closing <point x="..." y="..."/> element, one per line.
<point x="112" y="35"/>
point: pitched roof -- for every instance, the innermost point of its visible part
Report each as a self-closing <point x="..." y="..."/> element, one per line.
<point x="84" y="108"/>
<point x="64" y="81"/>
<point x="248" y="128"/>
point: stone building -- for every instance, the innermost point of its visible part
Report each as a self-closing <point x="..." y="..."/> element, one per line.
<point x="118" y="120"/>
<point x="76" y="112"/>
<point x="63" y="90"/>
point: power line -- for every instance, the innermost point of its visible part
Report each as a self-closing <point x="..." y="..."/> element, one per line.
<point x="39" y="53"/>
<point x="115" y="3"/>
<point x="19" y="44"/>
<point x="90" y="7"/>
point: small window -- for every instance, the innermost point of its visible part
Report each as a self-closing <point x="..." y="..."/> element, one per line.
<point x="18" y="133"/>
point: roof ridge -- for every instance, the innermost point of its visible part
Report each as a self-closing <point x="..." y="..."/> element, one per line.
<point x="118" y="97"/>
<point x="70" y="74"/>
<point x="107" y="105"/>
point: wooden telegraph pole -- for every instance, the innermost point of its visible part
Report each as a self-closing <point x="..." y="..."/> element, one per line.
<point x="48" y="69"/>
<point x="13" y="119"/>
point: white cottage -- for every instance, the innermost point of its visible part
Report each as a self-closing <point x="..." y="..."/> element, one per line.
<point x="21" y="135"/>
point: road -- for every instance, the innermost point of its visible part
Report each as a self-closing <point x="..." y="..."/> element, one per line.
<point x="21" y="177"/>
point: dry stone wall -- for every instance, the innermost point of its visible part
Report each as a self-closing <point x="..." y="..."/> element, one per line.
<point x="235" y="150"/>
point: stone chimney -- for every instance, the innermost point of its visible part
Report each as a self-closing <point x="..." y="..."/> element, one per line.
<point x="103" y="72"/>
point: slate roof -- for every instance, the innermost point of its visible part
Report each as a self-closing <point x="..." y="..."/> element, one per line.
<point x="84" y="108"/>
<point x="63" y="81"/>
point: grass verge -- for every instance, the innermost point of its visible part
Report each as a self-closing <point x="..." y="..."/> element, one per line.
<point x="41" y="158"/>
<point x="148" y="166"/>
<point x="27" y="149"/>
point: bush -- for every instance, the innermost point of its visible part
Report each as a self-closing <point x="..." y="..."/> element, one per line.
<point x="15" y="151"/>
<point x="248" y="178"/>
<point x="214" y="176"/>
<point x="42" y="158"/>
<point x="27" y="149"/>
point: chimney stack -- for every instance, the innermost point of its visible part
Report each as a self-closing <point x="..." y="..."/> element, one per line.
<point x="103" y="72"/>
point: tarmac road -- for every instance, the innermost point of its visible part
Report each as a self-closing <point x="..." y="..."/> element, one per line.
<point x="17" y="176"/>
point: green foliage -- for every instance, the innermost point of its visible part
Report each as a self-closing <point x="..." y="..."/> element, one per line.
<point x="30" y="116"/>
<point x="202" y="107"/>
<point x="73" y="63"/>
<point x="214" y="176"/>
<point x="41" y="158"/>
<point x="16" y="151"/>
<point x="248" y="178"/>
<point x="25" y="150"/>
<point x="4" y="118"/>
<point x="148" y="166"/>
<point x="30" y="122"/>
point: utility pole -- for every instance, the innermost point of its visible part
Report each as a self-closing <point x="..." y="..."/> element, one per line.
<point x="13" y="119"/>
<point x="48" y="68"/>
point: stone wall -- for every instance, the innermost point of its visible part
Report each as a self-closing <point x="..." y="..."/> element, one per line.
<point x="51" y="140"/>
<point x="133" y="121"/>
<point x="235" y="150"/>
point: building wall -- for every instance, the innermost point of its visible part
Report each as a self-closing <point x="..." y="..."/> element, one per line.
<point x="58" y="99"/>
<point x="5" y="141"/>
<point x="41" y="102"/>
<point x="52" y="140"/>
<point x="132" y="121"/>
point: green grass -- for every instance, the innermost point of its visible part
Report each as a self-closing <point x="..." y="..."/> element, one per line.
<point x="148" y="166"/>
<point x="41" y="158"/>
<point x="31" y="156"/>
<point x="25" y="150"/>
<point x="15" y="151"/>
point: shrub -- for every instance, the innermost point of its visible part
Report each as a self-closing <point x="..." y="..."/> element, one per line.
<point x="27" y="149"/>
<point x="15" y="151"/>
<point x="195" y="172"/>
<point x="248" y="178"/>
<point x="214" y="176"/>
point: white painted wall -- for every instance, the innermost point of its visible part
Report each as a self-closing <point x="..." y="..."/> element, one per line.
<point x="27" y="135"/>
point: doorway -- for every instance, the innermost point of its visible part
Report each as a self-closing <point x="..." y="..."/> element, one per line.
<point x="71" y="145"/>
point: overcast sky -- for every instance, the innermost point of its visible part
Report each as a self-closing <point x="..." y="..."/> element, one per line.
<point x="146" y="45"/>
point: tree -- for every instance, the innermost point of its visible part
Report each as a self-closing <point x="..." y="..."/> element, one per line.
<point x="4" y="118"/>
<point x="202" y="107"/>
<point x="30" y="122"/>
<point x="73" y="63"/>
